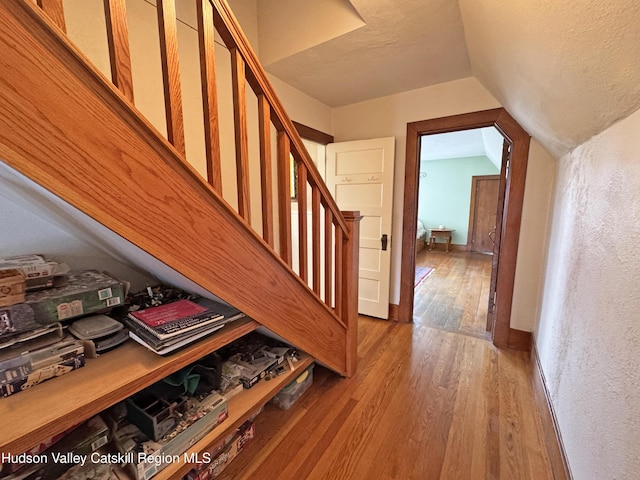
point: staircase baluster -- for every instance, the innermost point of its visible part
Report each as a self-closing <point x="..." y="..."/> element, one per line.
<point x="315" y="237"/>
<point x="115" y="13"/>
<point x="302" y="221"/>
<point x="240" y="127"/>
<point x="284" y="196"/>
<point x="339" y="292"/>
<point x="264" y="125"/>
<point x="171" y="74"/>
<point x="206" y="39"/>
<point x="55" y="11"/>
<point x="328" y="257"/>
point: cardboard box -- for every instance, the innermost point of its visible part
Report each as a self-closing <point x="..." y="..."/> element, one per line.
<point x="83" y="292"/>
<point x="79" y="294"/>
<point x="58" y="369"/>
<point x="34" y="266"/>
<point x="82" y="440"/>
<point x="12" y="287"/>
<point x="17" y="318"/>
<point x="128" y="438"/>
<point x="223" y="454"/>
<point x="37" y="450"/>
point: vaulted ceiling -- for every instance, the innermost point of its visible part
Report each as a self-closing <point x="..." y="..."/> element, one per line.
<point x="565" y="69"/>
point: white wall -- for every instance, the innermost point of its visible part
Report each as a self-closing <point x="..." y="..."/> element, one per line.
<point x="31" y="224"/>
<point x="286" y="29"/>
<point x="532" y="247"/>
<point x="588" y="335"/>
<point x="302" y="108"/>
<point x="299" y="106"/>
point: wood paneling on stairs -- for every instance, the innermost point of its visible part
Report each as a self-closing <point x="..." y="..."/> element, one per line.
<point x="77" y="135"/>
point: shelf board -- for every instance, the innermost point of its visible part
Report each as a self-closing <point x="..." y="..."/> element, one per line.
<point x="241" y="407"/>
<point x="60" y="403"/>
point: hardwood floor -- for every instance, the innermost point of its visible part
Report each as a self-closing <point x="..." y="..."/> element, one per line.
<point x="455" y="296"/>
<point x="427" y="402"/>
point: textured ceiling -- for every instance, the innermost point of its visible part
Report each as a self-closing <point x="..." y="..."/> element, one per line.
<point x="566" y="70"/>
<point x="403" y="45"/>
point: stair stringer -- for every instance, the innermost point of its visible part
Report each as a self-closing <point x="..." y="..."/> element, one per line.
<point x="69" y="130"/>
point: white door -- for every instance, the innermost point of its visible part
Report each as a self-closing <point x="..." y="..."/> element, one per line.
<point x="360" y="176"/>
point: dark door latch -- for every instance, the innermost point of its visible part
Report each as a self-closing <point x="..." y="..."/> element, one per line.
<point x="385" y="241"/>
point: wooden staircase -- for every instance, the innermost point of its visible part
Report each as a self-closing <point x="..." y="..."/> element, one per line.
<point x="79" y="135"/>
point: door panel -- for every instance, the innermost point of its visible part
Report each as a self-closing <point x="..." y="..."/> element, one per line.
<point x="360" y="176"/>
<point x="359" y="162"/>
<point x="484" y="203"/>
<point x="352" y="193"/>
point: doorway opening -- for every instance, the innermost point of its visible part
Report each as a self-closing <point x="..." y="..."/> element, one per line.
<point x="509" y="212"/>
<point x="457" y="203"/>
<point x="458" y="187"/>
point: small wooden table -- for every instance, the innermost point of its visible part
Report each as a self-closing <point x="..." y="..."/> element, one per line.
<point x="440" y="232"/>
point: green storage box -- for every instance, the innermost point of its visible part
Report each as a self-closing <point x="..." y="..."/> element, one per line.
<point x="82" y="293"/>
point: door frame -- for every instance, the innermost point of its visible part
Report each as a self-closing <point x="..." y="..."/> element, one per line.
<point x="513" y="181"/>
<point x="472" y="205"/>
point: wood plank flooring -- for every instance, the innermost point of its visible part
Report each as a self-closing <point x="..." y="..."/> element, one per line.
<point x="430" y="400"/>
<point x="455" y="296"/>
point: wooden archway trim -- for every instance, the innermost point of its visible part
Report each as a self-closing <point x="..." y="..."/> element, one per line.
<point x="512" y="211"/>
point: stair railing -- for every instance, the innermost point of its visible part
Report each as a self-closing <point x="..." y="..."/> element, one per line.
<point x="329" y="265"/>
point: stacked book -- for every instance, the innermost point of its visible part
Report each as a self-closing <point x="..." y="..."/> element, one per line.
<point x="39" y="272"/>
<point x="167" y="327"/>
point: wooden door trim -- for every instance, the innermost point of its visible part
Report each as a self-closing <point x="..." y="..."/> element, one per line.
<point x="495" y="261"/>
<point x="312" y="134"/>
<point x="514" y="195"/>
<point x="472" y="204"/>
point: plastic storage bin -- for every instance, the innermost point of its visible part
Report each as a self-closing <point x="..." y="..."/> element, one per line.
<point x="292" y="392"/>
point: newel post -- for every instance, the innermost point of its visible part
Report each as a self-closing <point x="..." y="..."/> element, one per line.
<point x="350" y="268"/>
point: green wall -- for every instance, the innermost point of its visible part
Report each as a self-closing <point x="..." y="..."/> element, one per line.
<point x="444" y="195"/>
